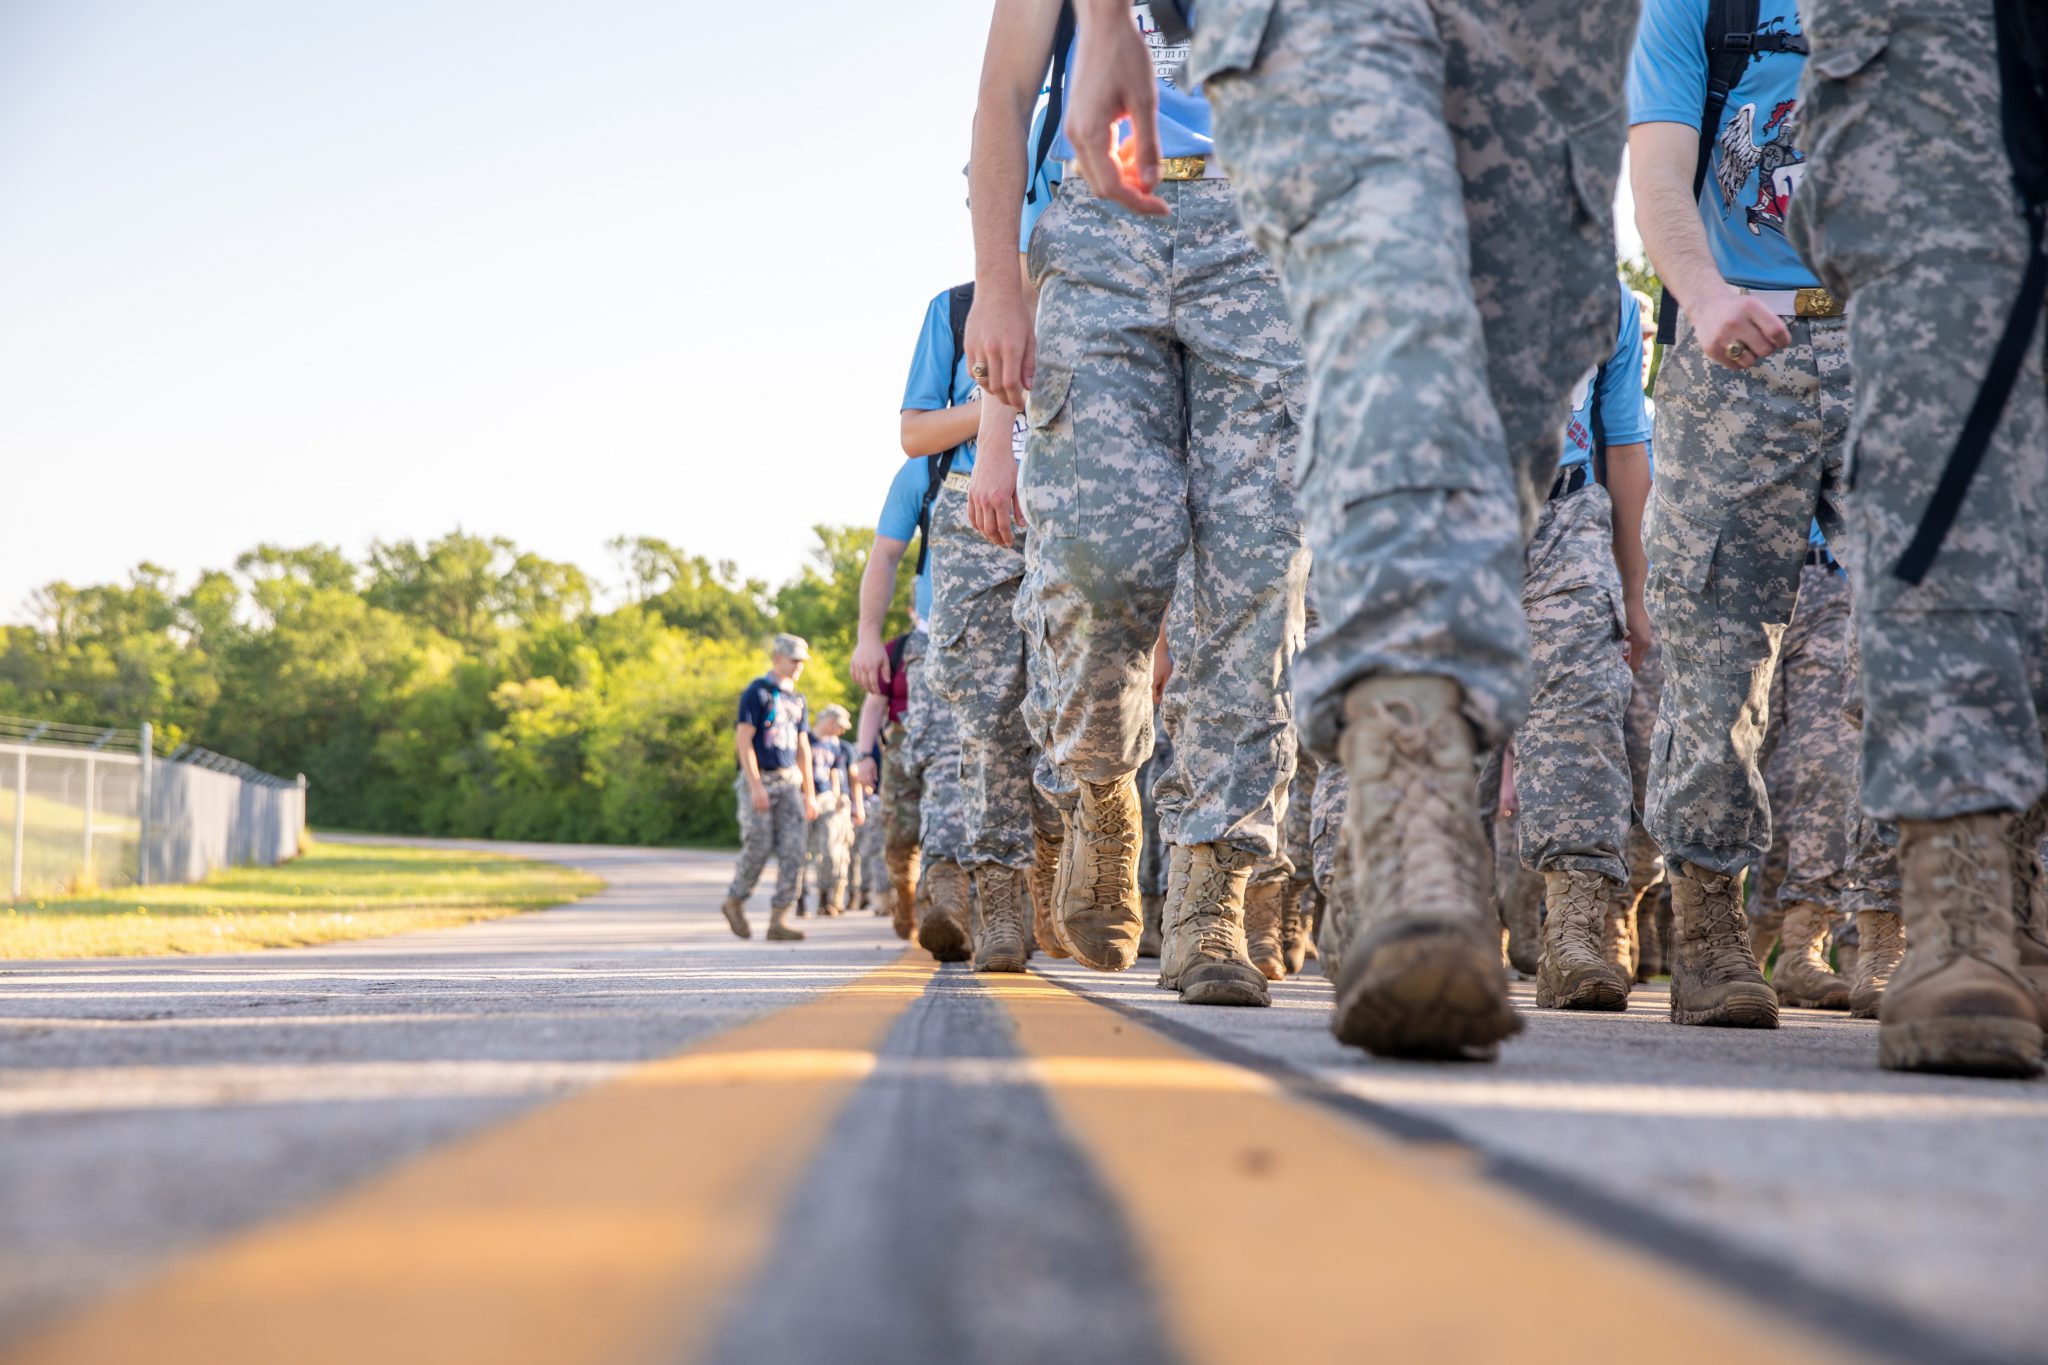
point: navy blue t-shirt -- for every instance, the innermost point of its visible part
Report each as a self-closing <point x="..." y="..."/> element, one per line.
<point x="828" y="756"/>
<point x="778" y="718"/>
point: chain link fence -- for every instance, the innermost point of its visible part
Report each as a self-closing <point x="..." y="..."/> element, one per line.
<point x="85" y="809"/>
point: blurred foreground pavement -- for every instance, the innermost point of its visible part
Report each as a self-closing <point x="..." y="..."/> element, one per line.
<point x="613" y="1132"/>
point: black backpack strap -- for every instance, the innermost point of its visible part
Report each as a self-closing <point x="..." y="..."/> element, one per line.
<point x="940" y="466"/>
<point x="959" y="303"/>
<point x="1597" y="424"/>
<point x="1055" y="99"/>
<point x="1731" y="41"/>
<point x="2023" y="74"/>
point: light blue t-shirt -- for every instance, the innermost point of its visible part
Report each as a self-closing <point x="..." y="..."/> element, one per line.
<point x="1623" y="417"/>
<point x="1756" y="163"/>
<point x="932" y="387"/>
<point x="1183" y="113"/>
<point x="899" y="520"/>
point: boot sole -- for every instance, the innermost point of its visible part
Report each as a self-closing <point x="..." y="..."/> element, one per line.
<point x="1427" y="993"/>
<point x="1753" y="1010"/>
<point x="1272" y="968"/>
<point x="786" y="936"/>
<point x="1832" y="1000"/>
<point x="1234" y="991"/>
<point x="1007" y="962"/>
<point x="943" y="939"/>
<point x="1962" y="1046"/>
<point x="1596" y="993"/>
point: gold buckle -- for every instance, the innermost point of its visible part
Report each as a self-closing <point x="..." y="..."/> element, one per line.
<point x="1815" y="303"/>
<point x="1183" y="167"/>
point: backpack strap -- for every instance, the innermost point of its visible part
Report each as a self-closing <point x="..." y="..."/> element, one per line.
<point x="1731" y="40"/>
<point x="1597" y="425"/>
<point x="1055" y="99"/>
<point x="2023" y="98"/>
<point x="959" y="303"/>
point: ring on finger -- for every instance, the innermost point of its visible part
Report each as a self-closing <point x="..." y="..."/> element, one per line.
<point x="1737" y="350"/>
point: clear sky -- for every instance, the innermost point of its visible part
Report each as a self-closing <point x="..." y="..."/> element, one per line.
<point x="293" y="270"/>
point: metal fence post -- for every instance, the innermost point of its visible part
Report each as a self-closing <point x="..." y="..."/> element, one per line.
<point x="144" y="800"/>
<point x="91" y="797"/>
<point x="20" y="820"/>
<point x="299" y="825"/>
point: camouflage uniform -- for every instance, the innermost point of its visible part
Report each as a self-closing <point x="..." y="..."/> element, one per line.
<point x="977" y="670"/>
<point x="1571" y="756"/>
<point x="1454" y="276"/>
<point x="931" y="761"/>
<point x="829" y="850"/>
<point x="1152" y="858"/>
<point x="779" y="830"/>
<point x="1646" y="690"/>
<point x="1161" y="427"/>
<point x="1908" y="211"/>
<point x="870" y="861"/>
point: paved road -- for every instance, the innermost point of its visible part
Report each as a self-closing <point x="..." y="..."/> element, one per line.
<point x="611" y="1132"/>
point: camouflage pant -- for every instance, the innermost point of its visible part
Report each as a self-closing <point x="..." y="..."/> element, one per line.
<point x="1645" y="860"/>
<point x="930" y="760"/>
<point x="870" y="857"/>
<point x="1161" y="427"/>
<point x="1297" y="831"/>
<point x="1454" y="278"/>
<point x="1152" y="857"/>
<point x="1908" y="210"/>
<point x="1571" y="754"/>
<point x="902" y="791"/>
<point x="977" y="668"/>
<point x="779" y="831"/>
<point x="828" y="851"/>
<point x="1746" y="459"/>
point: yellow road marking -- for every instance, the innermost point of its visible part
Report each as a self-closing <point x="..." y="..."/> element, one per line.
<point x="611" y="1226"/>
<point x="1275" y="1230"/>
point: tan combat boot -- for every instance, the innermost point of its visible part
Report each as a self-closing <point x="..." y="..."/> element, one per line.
<point x="1207" y="943"/>
<point x="1649" y="943"/>
<point x="1098" y="917"/>
<point x="902" y="860"/>
<point x="1045" y="873"/>
<point x="1803" y="978"/>
<point x="1618" y="941"/>
<point x="780" y="930"/>
<point x="1518" y="892"/>
<point x="1575" y="973"/>
<point x="1958" y="1003"/>
<point x="1148" y="941"/>
<point x="1764" y="931"/>
<point x="999" y="906"/>
<point x="1881" y="943"/>
<point x="1422" y="975"/>
<point x="2030" y="905"/>
<point x="1264" y="909"/>
<point x="736" y="916"/>
<point x="942" y="929"/>
<point x="1714" y="980"/>
<point x="1170" y="940"/>
<point x="1294" y="926"/>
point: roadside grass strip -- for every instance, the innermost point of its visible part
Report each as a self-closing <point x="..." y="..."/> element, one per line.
<point x="330" y="893"/>
<point x="1276" y="1230"/>
<point x="612" y="1226"/>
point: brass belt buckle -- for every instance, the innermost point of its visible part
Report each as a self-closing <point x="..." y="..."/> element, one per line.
<point x="1183" y="167"/>
<point x="1815" y="303"/>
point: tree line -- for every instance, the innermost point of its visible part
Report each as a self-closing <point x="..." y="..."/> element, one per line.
<point x="461" y="687"/>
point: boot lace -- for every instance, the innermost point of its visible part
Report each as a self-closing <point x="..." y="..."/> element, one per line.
<point x="1712" y="923"/>
<point x="1111" y="841"/>
<point x="1428" y="864"/>
<point x="1582" y="920"/>
<point x="1216" y="933"/>
<point x="1969" y="867"/>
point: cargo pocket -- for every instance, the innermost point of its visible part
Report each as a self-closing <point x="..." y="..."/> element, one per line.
<point x="1829" y="219"/>
<point x="1046" y="485"/>
<point x="1681" y="589"/>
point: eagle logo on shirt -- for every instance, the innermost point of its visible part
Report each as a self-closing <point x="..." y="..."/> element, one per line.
<point x="1777" y="164"/>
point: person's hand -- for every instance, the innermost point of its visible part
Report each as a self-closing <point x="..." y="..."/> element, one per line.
<point x="1728" y="319"/>
<point x="865" y="771"/>
<point x="871" y="665"/>
<point x="757" y="797"/>
<point x="810" y="807"/>
<point x="992" y="492"/>
<point x="1002" y="345"/>
<point x="1510" y="805"/>
<point x="1641" y="634"/>
<point x="1162" y="670"/>
<point x="1113" y="80"/>
<point x="860" y="817"/>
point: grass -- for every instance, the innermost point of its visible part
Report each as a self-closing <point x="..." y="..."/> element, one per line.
<point x="329" y="893"/>
<point x="52" y="851"/>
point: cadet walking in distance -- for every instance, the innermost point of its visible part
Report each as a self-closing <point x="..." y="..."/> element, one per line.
<point x="776" y="799"/>
<point x="1752" y="418"/>
<point x="1434" y="179"/>
<point x="1910" y="211"/>
<point x="1162" y="372"/>
<point x="884" y="726"/>
<point x="829" y="849"/>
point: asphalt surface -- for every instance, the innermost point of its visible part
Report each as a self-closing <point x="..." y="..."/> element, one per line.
<point x="152" y="1110"/>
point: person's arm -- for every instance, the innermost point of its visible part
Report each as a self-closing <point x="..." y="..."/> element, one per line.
<point x="1628" y="484"/>
<point x="874" y="710"/>
<point x="938" y="430"/>
<point x="743" y="745"/>
<point x="1662" y="158"/>
<point x="1162" y="664"/>
<point x="803" y="768"/>
<point x="1112" y="80"/>
<point x="999" y="330"/>
<point x="992" y="488"/>
<point x="877" y="586"/>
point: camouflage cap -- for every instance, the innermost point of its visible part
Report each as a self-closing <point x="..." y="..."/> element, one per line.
<point x="790" y="647"/>
<point x="835" y="712"/>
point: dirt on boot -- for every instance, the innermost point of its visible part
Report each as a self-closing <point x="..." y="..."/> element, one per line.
<point x="1575" y="972"/>
<point x="1802" y="977"/>
<point x="1958" y="1003"/>
<point x="1149" y="940"/>
<point x="1618" y="940"/>
<point x="1045" y="873"/>
<point x="1881" y="943"/>
<point x="736" y="916"/>
<point x="942" y="928"/>
<point x="1001" y="931"/>
<point x="1422" y="974"/>
<point x="902" y="860"/>
<point x="1209" y="950"/>
<point x="1170" y="943"/>
<point x="1098" y="917"/>
<point x="1265" y="908"/>
<point x="1714" y="978"/>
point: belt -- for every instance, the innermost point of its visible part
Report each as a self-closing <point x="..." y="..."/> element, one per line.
<point x="1175" y="168"/>
<point x="1798" y="303"/>
<point x="1823" y="559"/>
<point x="958" y="483"/>
<point x="1569" y="481"/>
